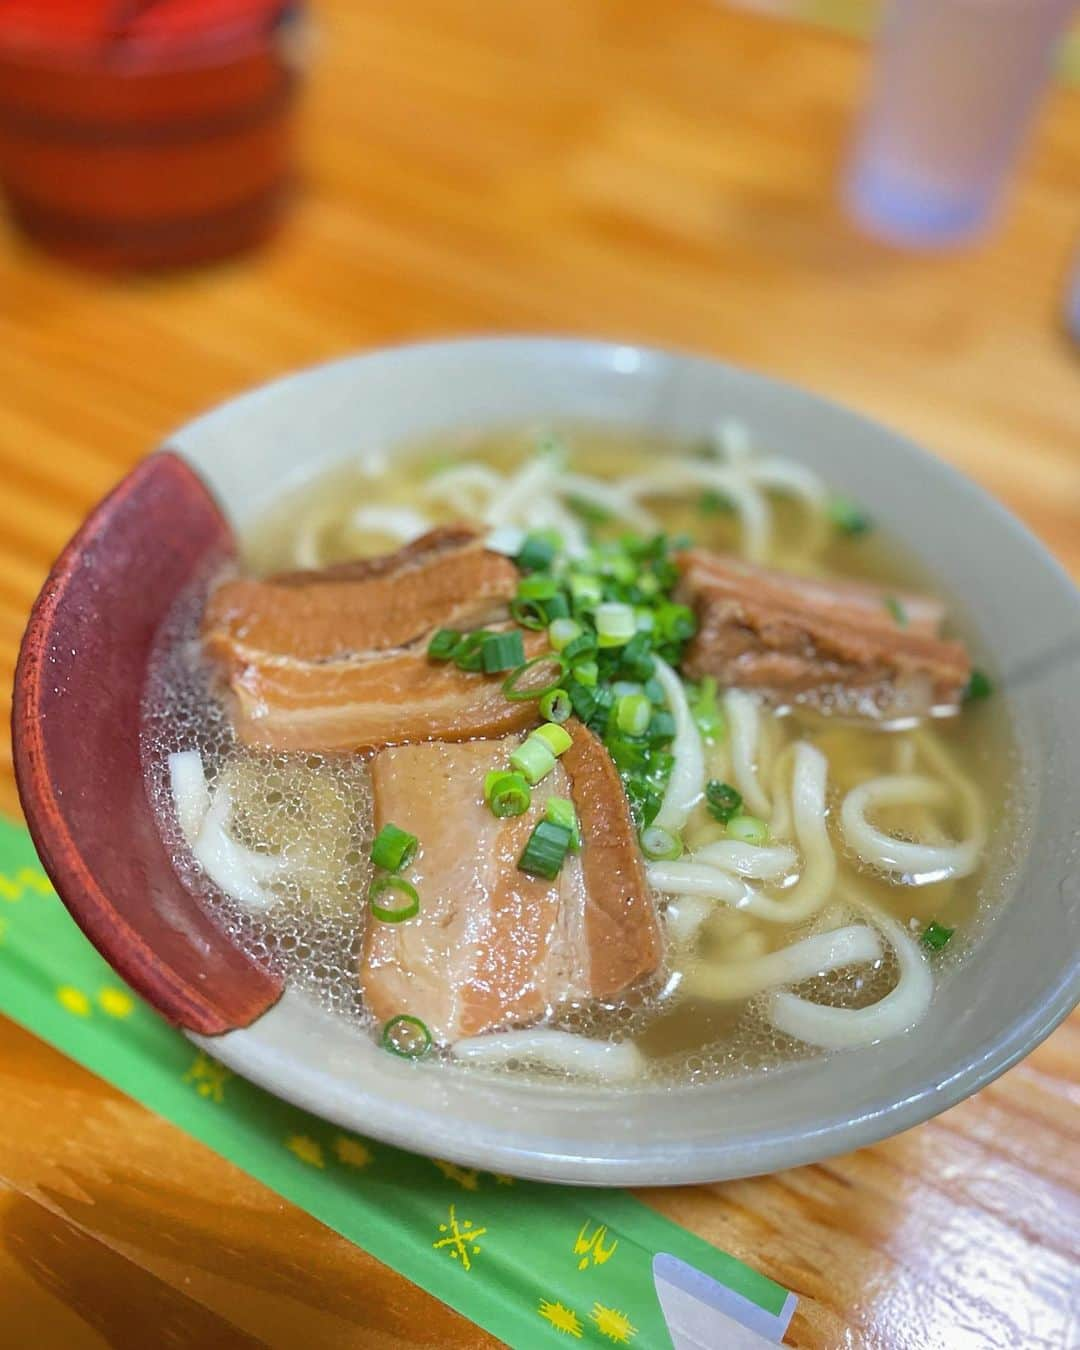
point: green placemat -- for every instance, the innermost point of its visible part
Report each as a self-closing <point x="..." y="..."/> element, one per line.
<point x="535" y="1265"/>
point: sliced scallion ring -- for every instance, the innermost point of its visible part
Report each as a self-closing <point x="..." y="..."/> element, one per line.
<point x="406" y="1036"/>
<point x="518" y="686"/>
<point x="393" y="899"/>
<point x="658" y="844"/>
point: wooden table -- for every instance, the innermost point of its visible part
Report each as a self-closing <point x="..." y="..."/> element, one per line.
<point x="658" y="170"/>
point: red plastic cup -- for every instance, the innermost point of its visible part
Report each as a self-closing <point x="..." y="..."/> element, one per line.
<point x="147" y="135"/>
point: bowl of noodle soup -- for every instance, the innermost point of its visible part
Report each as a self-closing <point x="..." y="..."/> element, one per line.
<point x="863" y="893"/>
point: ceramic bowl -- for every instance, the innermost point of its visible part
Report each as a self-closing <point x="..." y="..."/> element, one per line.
<point x="82" y="670"/>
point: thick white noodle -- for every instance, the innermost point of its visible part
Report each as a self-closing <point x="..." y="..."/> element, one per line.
<point x="748" y="860"/>
<point x="609" y="497"/>
<point x="679" y="477"/>
<point x="684" y="916"/>
<point x="605" y="1060"/>
<point x="744" y="729"/>
<point x="692" y="878"/>
<point x="831" y="1028"/>
<point x="782" y="824"/>
<point x="913" y="863"/>
<point x="856" y="944"/>
<point x="527" y="485"/>
<point x="467" y="488"/>
<point x="396" y="522"/>
<point x="190" y="793"/>
<point x="238" y="871"/>
<point x="788" y="476"/>
<point x="732" y="439"/>
<point x="816" y="881"/>
<point x="687" y="782"/>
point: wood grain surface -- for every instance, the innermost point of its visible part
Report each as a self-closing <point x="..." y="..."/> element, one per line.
<point x="653" y="169"/>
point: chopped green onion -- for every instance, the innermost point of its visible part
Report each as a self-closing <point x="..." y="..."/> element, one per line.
<point x="645" y="801"/>
<point x="661" y="728"/>
<point x="635" y="659"/>
<point x="722" y="800"/>
<point x="615" y="624"/>
<point x="544" y="853"/>
<point x="469" y="653"/>
<point x="979" y="686"/>
<point x="659" y="844"/>
<point x="644" y="618"/>
<point x="897" y="610"/>
<point x="632" y="714"/>
<point x="562" y="632"/>
<point x="583" y="645"/>
<point x="393" y="848"/>
<point x="529" y="613"/>
<point x="393" y="899"/>
<point x="704" y="709"/>
<point x="502" y="651"/>
<point x="557" y="607"/>
<point x="586" y="591"/>
<point x="748" y="830"/>
<point x="936" y="936"/>
<point x="537" y="552"/>
<point x="534" y="758"/>
<point x="557" y="740"/>
<point x="560" y="811"/>
<point x="537" y="587"/>
<point x="443" y="644"/>
<point x="847" y="516"/>
<point x="622" y="687"/>
<point x="517" y="691"/>
<point x="588" y="511"/>
<point x="713" y="503"/>
<point x="586" y="672"/>
<point x="676" y="623"/>
<point x="582" y="698"/>
<point x="556" y="706"/>
<point x="406" y="1036"/>
<point x="506" y="793"/>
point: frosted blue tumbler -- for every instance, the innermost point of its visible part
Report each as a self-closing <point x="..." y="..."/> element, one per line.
<point x="954" y="88"/>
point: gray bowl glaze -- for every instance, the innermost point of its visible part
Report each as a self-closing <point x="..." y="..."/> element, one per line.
<point x="1021" y="608"/>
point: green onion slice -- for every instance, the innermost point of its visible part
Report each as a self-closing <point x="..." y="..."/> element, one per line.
<point x="507" y="793"/>
<point x="393" y="899"/>
<point x="406" y="1037"/>
<point x="537" y="552"/>
<point x="632" y="714"/>
<point x="848" y="517"/>
<point x="556" y="706"/>
<point x="537" y="587"/>
<point x="502" y="651"/>
<point x="979" y="686"/>
<point x="897" y="610"/>
<point x="528" y="680"/>
<point x="443" y="644"/>
<point x="560" y="811"/>
<point x="557" y="740"/>
<point x="659" y="844"/>
<point x="533" y="758"/>
<point x="544" y="853"/>
<point x="936" y="936"/>
<point x="393" y="848"/>
<point x="616" y="624"/>
<point x="722" y="800"/>
<point x="748" y="830"/>
<point x="563" y="632"/>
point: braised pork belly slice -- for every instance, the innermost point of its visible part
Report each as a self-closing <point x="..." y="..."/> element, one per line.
<point x="839" y="646"/>
<point x="363" y="703"/>
<point x="444" y="579"/>
<point x="493" y="947"/>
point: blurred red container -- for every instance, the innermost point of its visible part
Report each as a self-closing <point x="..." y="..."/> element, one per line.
<point x="147" y="135"/>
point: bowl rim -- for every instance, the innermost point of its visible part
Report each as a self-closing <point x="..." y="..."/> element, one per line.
<point x="883" y="1113"/>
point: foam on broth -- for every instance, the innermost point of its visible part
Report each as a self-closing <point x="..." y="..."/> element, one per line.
<point x="316" y="810"/>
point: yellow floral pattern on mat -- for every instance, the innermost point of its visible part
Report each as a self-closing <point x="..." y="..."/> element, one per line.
<point x="616" y="1326"/>
<point x="460" y="1240"/>
<point x="308" y="1150"/>
<point x="590" y="1246"/>
<point x="74" y="1000"/>
<point x="209" y="1077"/>
<point x="352" y="1152"/>
<point x="561" y="1318"/>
